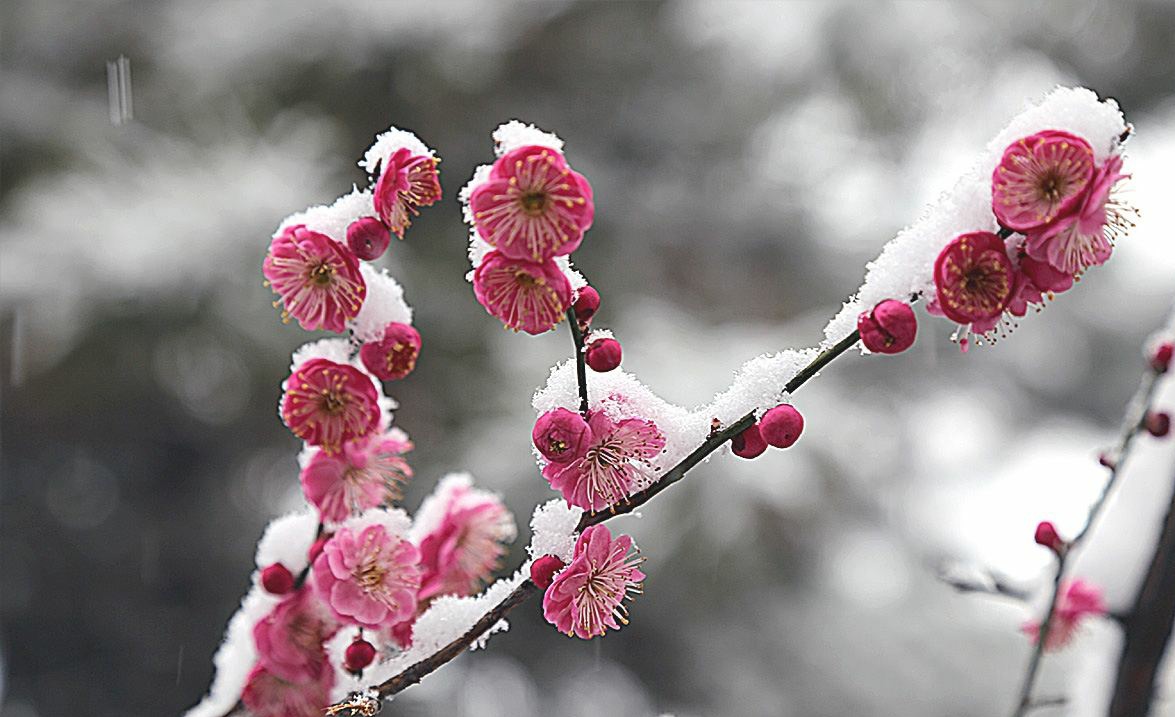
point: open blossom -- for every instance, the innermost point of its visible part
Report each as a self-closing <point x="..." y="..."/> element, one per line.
<point x="561" y="435"/>
<point x="369" y="577"/>
<point x="973" y="278"/>
<point x="290" y="639"/>
<point x="394" y="356"/>
<point x="267" y="695"/>
<point x="367" y="472"/>
<point x="328" y="403"/>
<point x="587" y="597"/>
<point x="1077" y="600"/>
<point x="1082" y="238"/>
<point x="524" y="295"/>
<point x="407" y="181"/>
<point x="533" y="206"/>
<point x="604" y="474"/>
<point x="316" y="277"/>
<point x="466" y="547"/>
<point x="1040" y="178"/>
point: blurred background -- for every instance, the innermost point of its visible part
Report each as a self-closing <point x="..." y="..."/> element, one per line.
<point x="747" y="160"/>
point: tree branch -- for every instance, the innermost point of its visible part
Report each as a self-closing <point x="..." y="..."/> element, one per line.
<point x="580" y="368"/>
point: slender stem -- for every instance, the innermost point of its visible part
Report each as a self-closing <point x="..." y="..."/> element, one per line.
<point x="414" y="673"/>
<point x="1131" y="426"/>
<point x="580" y="368"/>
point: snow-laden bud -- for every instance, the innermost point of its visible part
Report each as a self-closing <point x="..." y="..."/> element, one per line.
<point x="889" y="328"/>
<point x="394" y="356"/>
<point x="277" y="579"/>
<point x="1157" y="423"/>
<point x="561" y="435"/>
<point x="542" y="571"/>
<point x="587" y="303"/>
<point x="1160" y="356"/>
<point x="368" y="238"/>
<point x="1046" y="535"/>
<point x="749" y="443"/>
<point x="358" y="655"/>
<point x="781" y="426"/>
<point x="603" y="355"/>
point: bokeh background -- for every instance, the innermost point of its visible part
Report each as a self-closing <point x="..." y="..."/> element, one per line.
<point x="747" y="159"/>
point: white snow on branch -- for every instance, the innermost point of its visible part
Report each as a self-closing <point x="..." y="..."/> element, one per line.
<point x="387" y="143"/>
<point x="333" y="219"/>
<point x="552" y="530"/>
<point x="383" y="304"/>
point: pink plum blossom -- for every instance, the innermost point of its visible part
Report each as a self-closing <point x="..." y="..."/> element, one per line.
<point x="973" y="278"/>
<point x="603" y="476"/>
<point x="586" y="598"/>
<point x="407" y="181"/>
<point x="316" y="277"/>
<point x="290" y="639"/>
<point x="267" y="695"/>
<point x="524" y="295"/>
<point x="467" y="546"/>
<point x="1077" y="600"/>
<point x="1040" y="178"/>
<point x="561" y="435"/>
<point x="368" y="577"/>
<point x="533" y="206"/>
<point x="1082" y="238"/>
<point x="368" y="472"/>
<point x="394" y="356"/>
<point x="328" y="403"/>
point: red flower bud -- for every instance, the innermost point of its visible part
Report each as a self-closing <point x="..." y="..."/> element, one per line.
<point x="749" y="443"/>
<point x="359" y="654"/>
<point x="603" y="355"/>
<point x="1046" y="535"/>
<point x="781" y="426"/>
<point x="1157" y="423"/>
<point x="277" y="579"/>
<point x="889" y="328"/>
<point x="542" y="571"/>
<point x="586" y="304"/>
<point x="1161" y="356"/>
<point x="368" y="238"/>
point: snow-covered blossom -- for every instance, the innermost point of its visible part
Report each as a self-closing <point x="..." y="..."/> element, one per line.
<point x="317" y="279"/>
<point x="267" y="695"/>
<point x="533" y="205"/>
<point x="1040" y="178"/>
<point x="561" y="435"/>
<point x="368" y="472"/>
<point x="328" y="403"/>
<point x="603" y="476"/>
<point x="1077" y="600"/>
<point x="465" y="543"/>
<point x="393" y="356"/>
<point x="290" y="639"/>
<point x="368" y="576"/>
<point x="407" y="181"/>
<point x="523" y="295"/>
<point x="586" y="598"/>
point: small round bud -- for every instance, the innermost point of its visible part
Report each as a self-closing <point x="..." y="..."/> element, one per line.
<point x="603" y="355"/>
<point x="359" y="654"/>
<point x="749" y="443"/>
<point x="1046" y="535"/>
<point x="542" y="571"/>
<point x="890" y="328"/>
<point x="1161" y="356"/>
<point x="277" y="579"/>
<point x="394" y="356"/>
<point x="1157" y="423"/>
<point x="586" y="304"/>
<point x="781" y="426"/>
<point x="368" y="238"/>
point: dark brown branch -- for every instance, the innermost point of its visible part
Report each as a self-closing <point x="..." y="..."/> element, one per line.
<point x="1148" y="629"/>
<point x="580" y="368"/>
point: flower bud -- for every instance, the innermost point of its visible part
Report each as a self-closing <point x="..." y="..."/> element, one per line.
<point x="561" y="435"/>
<point x="277" y="579"/>
<point x="394" y="356"/>
<point x="586" y="304"/>
<point x="1161" y="356"/>
<point x="603" y="355"/>
<point x="359" y="654"/>
<point x="368" y="238"/>
<point x="1157" y="423"/>
<point x="542" y="571"/>
<point x="889" y="328"/>
<point x="1046" y="535"/>
<point x="781" y="426"/>
<point x="749" y="443"/>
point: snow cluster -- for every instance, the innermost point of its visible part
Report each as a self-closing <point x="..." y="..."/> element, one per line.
<point x="387" y="143"/>
<point x="905" y="265"/>
<point x="333" y="219"/>
<point x="287" y="540"/>
<point x="333" y="349"/>
<point x="552" y="530"/>
<point x="514" y="134"/>
<point x="383" y="304"/>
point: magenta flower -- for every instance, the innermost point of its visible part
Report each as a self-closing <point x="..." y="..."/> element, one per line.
<point x="1077" y="600"/>
<point x="407" y="181"/>
<point x="525" y="296"/>
<point x="1083" y="238"/>
<point x="1040" y="178"/>
<point x="533" y="206"/>
<point x="1044" y="277"/>
<point x="290" y="639"/>
<point x="973" y="279"/>
<point x="604" y="474"/>
<point x="267" y="695"/>
<point x="369" y="578"/>
<point x="317" y="279"/>
<point x="467" y="546"/>
<point x="394" y="356"/>
<point x="587" y="597"/>
<point x="368" y="472"/>
<point x="328" y="403"/>
<point x="561" y="435"/>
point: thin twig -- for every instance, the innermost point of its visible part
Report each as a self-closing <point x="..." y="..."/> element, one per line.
<point x="996" y="587"/>
<point x="580" y="368"/>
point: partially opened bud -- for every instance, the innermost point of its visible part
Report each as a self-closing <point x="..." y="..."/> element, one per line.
<point x="586" y="304"/>
<point x="394" y="356"/>
<point x="368" y="238"/>
<point x="1046" y="535"/>
<point x="889" y="328"/>
<point x="561" y="435"/>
